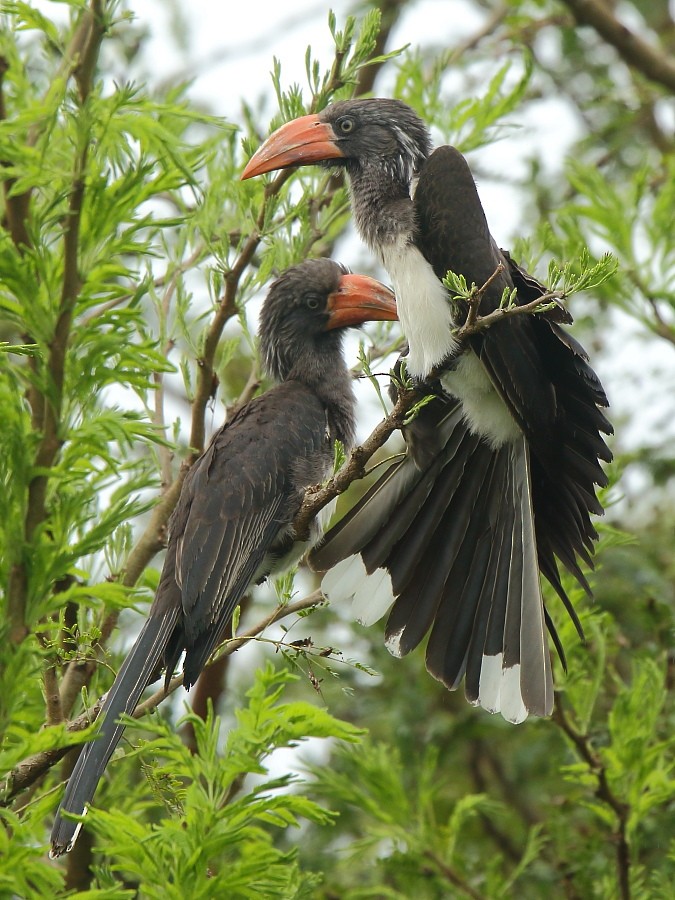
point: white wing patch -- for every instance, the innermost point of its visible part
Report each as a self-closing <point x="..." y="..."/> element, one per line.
<point x="371" y="595"/>
<point x="374" y="598"/>
<point x="393" y="643"/>
<point x="499" y="689"/>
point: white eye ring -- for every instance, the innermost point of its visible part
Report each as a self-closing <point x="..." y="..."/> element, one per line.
<point x="346" y="125"/>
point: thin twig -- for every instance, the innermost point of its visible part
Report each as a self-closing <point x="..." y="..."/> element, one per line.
<point x="234" y="644"/>
<point x="355" y="467"/>
<point x="491" y="24"/>
<point x="453" y="877"/>
<point x="474" y="323"/>
<point x="481" y="323"/>
<point x="79" y="672"/>
<point x="474" y="300"/>
<point x="660" y="326"/>
<point x="33" y="767"/>
<point x="603" y="792"/>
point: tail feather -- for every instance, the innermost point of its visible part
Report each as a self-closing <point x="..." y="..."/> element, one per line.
<point x="549" y="570"/>
<point x="134" y="675"/>
<point x="395" y="527"/>
<point x="459" y="563"/>
<point x="454" y="536"/>
<point x="449" y="641"/>
<point x="488" y="629"/>
<point x="425" y="535"/>
<point x="536" y="678"/>
<point x="363" y="522"/>
<point x="424" y="580"/>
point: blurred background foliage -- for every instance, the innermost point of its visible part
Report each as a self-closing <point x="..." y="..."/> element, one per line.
<point x="131" y="265"/>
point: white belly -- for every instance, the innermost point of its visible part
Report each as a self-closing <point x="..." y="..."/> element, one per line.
<point x="423" y="307"/>
<point x="483" y="408"/>
<point x="425" y="314"/>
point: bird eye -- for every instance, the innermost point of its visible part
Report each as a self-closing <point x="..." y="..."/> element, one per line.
<point x="346" y="125"/>
<point x="312" y="302"/>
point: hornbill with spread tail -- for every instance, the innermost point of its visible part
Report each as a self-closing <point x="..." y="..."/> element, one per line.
<point x="500" y="472"/>
<point x="233" y="523"/>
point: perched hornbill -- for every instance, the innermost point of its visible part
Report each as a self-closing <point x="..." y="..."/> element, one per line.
<point x="232" y="525"/>
<point x="501" y="469"/>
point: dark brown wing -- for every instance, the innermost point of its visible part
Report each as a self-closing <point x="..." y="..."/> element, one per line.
<point x="240" y="495"/>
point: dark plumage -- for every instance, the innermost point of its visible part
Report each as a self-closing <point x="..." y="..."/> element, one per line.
<point x="233" y="521"/>
<point x="499" y="479"/>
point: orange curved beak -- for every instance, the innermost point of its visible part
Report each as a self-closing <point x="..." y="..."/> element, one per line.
<point x="304" y="140"/>
<point x="360" y="299"/>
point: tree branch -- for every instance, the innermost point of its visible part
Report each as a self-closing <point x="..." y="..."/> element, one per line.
<point x="475" y="323"/>
<point x="16" y="205"/>
<point x="635" y="52"/>
<point x="390" y="13"/>
<point x="452" y="877"/>
<point x="50" y="443"/>
<point x="475" y="299"/>
<point x="355" y="467"/>
<point x="33" y="767"/>
<point x="234" y="644"/>
<point x="78" y="672"/>
<point x="603" y="792"/>
<point x="481" y="323"/>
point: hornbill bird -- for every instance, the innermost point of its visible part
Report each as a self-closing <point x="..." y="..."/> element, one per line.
<point x="233" y="523"/>
<point x="499" y="476"/>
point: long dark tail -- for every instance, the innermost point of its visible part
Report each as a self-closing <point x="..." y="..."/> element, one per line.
<point x="450" y="547"/>
<point x="137" y="670"/>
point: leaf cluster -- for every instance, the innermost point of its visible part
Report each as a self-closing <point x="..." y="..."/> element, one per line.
<point x="131" y="261"/>
<point x="212" y="838"/>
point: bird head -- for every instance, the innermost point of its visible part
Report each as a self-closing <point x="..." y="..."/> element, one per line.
<point x="357" y="134"/>
<point x="308" y="307"/>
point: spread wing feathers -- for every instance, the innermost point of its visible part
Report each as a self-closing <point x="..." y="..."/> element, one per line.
<point x="403" y="478"/>
<point x="564" y="428"/>
<point x="540" y="371"/>
<point x="137" y="671"/>
<point x="238" y="498"/>
<point x="564" y="477"/>
<point x="451" y="550"/>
